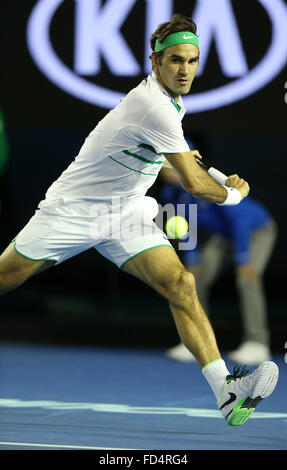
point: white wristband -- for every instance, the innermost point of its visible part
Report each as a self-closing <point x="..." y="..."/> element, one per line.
<point x="233" y="197"/>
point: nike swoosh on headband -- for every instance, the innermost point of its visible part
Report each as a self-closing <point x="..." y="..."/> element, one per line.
<point x="174" y="39"/>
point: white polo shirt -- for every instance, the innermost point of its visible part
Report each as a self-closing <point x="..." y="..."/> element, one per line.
<point x="123" y="155"/>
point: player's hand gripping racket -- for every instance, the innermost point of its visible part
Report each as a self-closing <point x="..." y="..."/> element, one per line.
<point x="220" y="177"/>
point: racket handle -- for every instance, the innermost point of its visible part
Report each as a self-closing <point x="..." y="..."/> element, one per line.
<point x="221" y="178"/>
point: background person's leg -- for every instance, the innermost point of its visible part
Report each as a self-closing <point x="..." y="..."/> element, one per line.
<point x="255" y="346"/>
<point x="254" y="303"/>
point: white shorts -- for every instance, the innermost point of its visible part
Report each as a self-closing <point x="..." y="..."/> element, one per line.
<point x="60" y="230"/>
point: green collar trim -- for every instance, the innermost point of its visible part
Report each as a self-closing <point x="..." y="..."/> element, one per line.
<point x="177" y="107"/>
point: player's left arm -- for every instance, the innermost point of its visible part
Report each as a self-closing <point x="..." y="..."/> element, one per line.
<point x="195" y="179"/>
<point x="201" y="185"/>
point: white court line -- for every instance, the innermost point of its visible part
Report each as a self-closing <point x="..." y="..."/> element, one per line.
<point x="61" y="446"/>
<point x="124" y="408"/>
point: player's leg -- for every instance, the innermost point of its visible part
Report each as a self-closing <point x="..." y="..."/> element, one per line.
<point x="237" y="396"/>
<point x="212" y="257"/>
<point x="149" y="257"/>
<point x="161" y="268"/>
<point x="15" y="269"/>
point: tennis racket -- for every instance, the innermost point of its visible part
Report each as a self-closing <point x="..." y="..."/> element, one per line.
<point x="217" y="175"/>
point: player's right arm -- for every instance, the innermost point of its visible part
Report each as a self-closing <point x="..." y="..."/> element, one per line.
<point x="198" y="182"/>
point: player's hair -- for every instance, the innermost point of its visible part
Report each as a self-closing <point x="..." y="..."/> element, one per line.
<point x="178" y="23"/>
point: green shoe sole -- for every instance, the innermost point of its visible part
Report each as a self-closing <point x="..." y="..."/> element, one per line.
<point x="243" y="410"/>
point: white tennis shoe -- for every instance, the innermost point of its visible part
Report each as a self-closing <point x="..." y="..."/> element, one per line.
<point x="241" y="393"/>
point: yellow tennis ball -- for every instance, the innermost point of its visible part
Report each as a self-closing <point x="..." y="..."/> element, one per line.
<point x="176" y="227"/>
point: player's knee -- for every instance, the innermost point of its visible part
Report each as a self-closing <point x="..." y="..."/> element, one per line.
<point x="182" y="287"/>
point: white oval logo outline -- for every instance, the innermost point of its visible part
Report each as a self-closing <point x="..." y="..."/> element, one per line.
<point x="39" y="45"/>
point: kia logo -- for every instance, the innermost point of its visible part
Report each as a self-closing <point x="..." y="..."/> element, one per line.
<point x="97" y="34"/>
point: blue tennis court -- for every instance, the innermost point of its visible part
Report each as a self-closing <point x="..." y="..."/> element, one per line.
<point x="64" y="397"/>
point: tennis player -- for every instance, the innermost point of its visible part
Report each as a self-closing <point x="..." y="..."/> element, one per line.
<point x="92" y="202"/>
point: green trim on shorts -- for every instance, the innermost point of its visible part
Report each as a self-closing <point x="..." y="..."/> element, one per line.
<point x="150" y="248"/>
<point x="32" y="259"/>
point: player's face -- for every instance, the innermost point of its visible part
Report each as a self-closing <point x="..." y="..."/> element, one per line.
<point x="176" y="68"/>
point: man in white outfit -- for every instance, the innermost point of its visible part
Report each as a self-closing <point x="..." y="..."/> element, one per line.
<point x="91" y="203"/>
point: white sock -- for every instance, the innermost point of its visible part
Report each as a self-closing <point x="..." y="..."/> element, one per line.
<point x="215" y="373"/>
